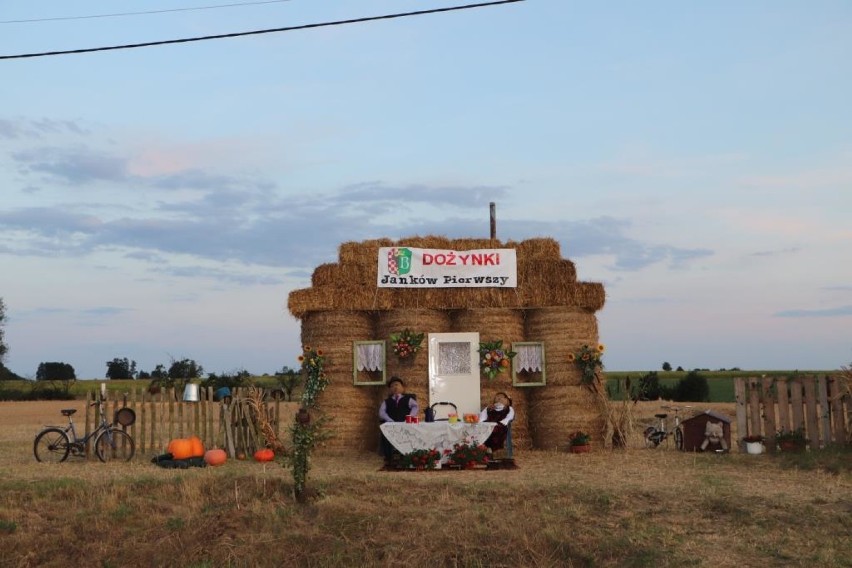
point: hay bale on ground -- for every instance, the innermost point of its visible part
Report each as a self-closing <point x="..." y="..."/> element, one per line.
<point x="506" y="325"/>
<point x="414" y="370"/>
<point x="557" y="411"/>
<point x="352" y="408"/>
<point x="563" y="330"/>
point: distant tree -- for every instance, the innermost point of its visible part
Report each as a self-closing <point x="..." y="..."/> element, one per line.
<point x="230" y="380"/>
<point x="667" y="366"/>
<point x="679" y="369"/>
<point x="143" y="375"/>
<point x="159" y="372"/>
<point x="55" y="372"/>
<point x="692" y="388"/>
<point x="288" y="380"/>
<point x="185" y="369"/>
<point x="3" y="347"/>
<point x="121" y="369"/>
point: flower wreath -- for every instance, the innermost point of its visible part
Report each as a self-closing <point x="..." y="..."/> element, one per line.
<point x="406" y="343"/>
<point x="493" y="359"/>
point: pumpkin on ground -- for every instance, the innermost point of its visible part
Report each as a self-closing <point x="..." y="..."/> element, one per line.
<point x="180" y="448"/>
<point x="216" y="456"/>
<point x="197" y="446"/>
<point x="264" y="455"/>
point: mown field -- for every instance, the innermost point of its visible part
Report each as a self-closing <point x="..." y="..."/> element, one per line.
<point x="721" y="383"/>
<point x="632" y="507"/>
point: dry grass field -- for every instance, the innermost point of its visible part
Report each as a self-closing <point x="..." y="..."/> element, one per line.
<point x="633" y="507"/>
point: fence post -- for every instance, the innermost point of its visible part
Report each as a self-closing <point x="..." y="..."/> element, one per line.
<point x="824" y="413"/>
<point x="837" y="397"/>
<point x="811" y="405"/>
<point x="783" y="403"/>
<point x="768" y="405"/>
<point x="740" y="397"/>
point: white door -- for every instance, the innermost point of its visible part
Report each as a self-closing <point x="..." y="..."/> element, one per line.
<point x="454" y="372"/>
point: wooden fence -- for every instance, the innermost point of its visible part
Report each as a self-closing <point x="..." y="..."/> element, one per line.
<point x="820" y="405"/>
<point x="162" y="417"/>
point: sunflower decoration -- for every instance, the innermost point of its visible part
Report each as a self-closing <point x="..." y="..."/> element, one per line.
<point x="313" y="361"/>
<point x="589" y="360"/>
<point x="493" y="359"/>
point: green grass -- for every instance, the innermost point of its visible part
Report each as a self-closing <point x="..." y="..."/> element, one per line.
<point x="721" y="383"/>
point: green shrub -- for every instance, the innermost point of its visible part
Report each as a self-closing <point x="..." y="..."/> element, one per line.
<point x="692" y="388"/>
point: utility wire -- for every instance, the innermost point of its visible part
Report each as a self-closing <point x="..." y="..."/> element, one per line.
<point x="62" y="18"/>
<point x="259" y="32"/>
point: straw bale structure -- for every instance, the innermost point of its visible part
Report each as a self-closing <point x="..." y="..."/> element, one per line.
<point x="549" y="305"/>
<point x="352" y="409"/>
<point x="413" y="370"/>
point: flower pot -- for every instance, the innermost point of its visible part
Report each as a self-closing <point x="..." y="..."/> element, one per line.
<point x="580" y="449"/>
<point x="754" y="448"/>
<point x="791" y="446"/>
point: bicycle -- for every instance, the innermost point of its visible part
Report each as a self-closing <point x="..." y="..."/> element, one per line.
<point x="54" y="443"/>
<point x="656" y="435"/>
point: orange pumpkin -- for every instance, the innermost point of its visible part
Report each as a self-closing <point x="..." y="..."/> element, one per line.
<point x="264" y="455"/>
<point x="197" y="446"/>
<point x="180" y="448"/>
<point x="215" y="457"/>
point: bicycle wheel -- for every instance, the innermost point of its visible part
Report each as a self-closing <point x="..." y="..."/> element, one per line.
<point x="114" y="445"/>
<point x="51" y="446"/>
<point x="678" y="433"/>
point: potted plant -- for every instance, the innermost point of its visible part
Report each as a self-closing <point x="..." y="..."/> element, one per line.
<point x="579" y="442"/>
<point x="791" y="440"/>
<point x="421" y="459"/>
<point x="468" y="455"/>
<point x="754" y="443"/>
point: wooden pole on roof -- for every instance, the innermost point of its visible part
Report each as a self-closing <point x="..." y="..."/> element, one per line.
<point x="493" y="208"/>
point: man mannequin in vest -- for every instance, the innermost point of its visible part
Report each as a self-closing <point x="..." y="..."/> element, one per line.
<point x="395" y="408"/>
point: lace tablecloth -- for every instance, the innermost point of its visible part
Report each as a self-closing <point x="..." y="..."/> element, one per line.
<point x="438" y="435"/>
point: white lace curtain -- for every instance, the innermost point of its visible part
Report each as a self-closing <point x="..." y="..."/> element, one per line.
<point x="370" y="356"/>
<point x="528" y="358"/>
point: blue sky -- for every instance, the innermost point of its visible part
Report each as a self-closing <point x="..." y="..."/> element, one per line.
<point x="161" y="203"/>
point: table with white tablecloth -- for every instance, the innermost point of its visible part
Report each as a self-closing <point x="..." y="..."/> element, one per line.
<point x="439" y="435"/>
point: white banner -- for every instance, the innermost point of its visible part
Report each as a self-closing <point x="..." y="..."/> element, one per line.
<point x="404" y="267"/>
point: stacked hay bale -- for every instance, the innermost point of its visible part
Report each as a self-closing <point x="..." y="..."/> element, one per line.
<point x="506" y="325"/>
<point x="548" y="305"/>
<point x="414" y="370"/>
<point x="565" y="404"/>
<point x="351" y="407"/>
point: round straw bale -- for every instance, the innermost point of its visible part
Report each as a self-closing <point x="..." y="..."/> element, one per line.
<point x="506" y="325"/>
<point x="557" y="411"/>
<point x="414" y="370"/>
<point x="352" y="407"/>
<point x="563" y="330"/>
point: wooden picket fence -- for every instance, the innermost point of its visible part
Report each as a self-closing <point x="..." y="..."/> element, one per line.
<point x="164" y="416"/>
<point x="820" y="405"/>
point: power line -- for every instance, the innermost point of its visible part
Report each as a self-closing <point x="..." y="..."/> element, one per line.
<point x="93" y="16"/>
<point x="259" y="32"/>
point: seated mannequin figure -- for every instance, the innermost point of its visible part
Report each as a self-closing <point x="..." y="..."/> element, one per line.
<point x="395" y="408"/>
<point x="501" y="412"/>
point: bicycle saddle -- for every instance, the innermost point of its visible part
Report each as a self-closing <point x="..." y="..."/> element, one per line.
<point x="68" y="411"/>
<point x="661" y="415"/>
